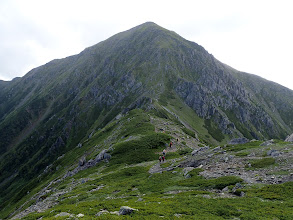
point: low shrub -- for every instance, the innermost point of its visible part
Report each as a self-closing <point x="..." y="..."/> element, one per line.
<point x="276" y="192"/>
<point x="241" y="154"/>
<point x="218" y="183"/>
<point x="263" y="162"/>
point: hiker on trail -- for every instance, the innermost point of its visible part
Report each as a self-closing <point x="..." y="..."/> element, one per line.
<point x="160" y="158"/>
<point x="170" y="145"/>
<point x="163" y="158"/>
<point x="164" y="152"/>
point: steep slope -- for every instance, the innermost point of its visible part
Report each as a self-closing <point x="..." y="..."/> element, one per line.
<point x="50" y="110"/>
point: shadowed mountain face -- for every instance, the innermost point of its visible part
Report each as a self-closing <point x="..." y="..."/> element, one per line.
<point x="48" y="111"/>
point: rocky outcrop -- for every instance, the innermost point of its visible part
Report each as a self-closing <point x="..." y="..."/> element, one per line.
<point x="267" y="143"/>
<point x="289" y="138"/>
<point x="239" y="141"/>
<point x="83" y="164"/>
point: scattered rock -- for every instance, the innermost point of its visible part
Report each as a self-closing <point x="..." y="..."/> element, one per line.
<point x="118" y="117"/>
<point x="202" y="149"/>
<point x="267" y="143"/>
<point x="217" y="149"/>
<point x="186" y="170"/>
<point x="239" y="141"/>
<point x="114" y="213"/>
<point x="226" y="189"/>
<point x="107" y="156"/>
<point x="80" y="215"/>
<point x="62" y="214"/>
<point x="126" y="210"/>
<point x="91" y="134"/>
<point x="237" y="186"/>
<point x="102" y="212"/>
<point x="103" y="155"/>
<point x="273" y="153"/>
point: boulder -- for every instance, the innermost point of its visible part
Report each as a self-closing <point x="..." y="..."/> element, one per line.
<point x="100" y="156"/>
<point x="82" y="161"/>
<point x="102" y="212"/>
<point x="239" y="141"/>
<point x="107" y="156"/>
<point x="126" y="210"/>
<point x="186" y="170"/>
<point x="267" y="143"/>
<point x="289" y="138"/>
<point x="273" y="153"/>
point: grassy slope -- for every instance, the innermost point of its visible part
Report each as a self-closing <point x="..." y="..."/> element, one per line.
<point x="108" y="186"/>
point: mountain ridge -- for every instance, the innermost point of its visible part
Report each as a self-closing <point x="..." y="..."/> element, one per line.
<point x="56" y="106"/>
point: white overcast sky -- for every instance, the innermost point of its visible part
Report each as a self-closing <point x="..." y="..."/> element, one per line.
<point x="254" y="36"/>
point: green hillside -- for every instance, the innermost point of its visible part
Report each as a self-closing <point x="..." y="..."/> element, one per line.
<point x="134" y="177"/>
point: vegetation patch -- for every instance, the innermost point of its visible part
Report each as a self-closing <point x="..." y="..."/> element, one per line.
<point x="202" y="183"/>
<point x="214" y="131"/>
<point x="188" y="132"/>
<point x="279" y="192"/>
<point x="241" y="154"/>
<point x="239" y="147"/>
<point x="141" y="150"/>
<point x="262" y="162"/>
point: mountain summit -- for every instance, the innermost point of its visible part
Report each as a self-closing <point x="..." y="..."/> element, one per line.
<point x="50" y="110"/>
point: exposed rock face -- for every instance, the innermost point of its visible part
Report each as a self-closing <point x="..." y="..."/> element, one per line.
<point x="289" y="138"/>
<point x="239" y="141"/>
<point x="103" y="155"/>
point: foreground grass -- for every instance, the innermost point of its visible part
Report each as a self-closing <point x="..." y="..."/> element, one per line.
<point x="151" y="195"/>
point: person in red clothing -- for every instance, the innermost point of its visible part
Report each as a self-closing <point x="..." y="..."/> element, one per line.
<point x="170" y="144"/>
<point x="160" y="158"/>
<point x="163" y="158"/>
